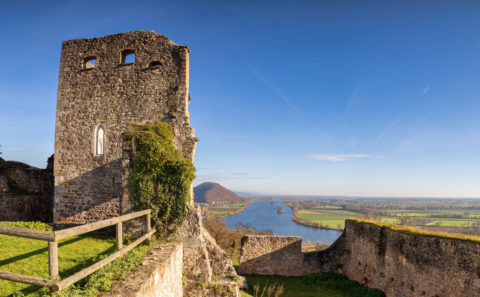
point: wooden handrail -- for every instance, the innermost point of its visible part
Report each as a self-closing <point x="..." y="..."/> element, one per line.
<point x="53" y="238"/>
<point x="79" y="230"/>
<point x="70" y="232"/>
<point x="26" y="279"/>
<point x="94" y="267"/>
<point x="27" y="233"/>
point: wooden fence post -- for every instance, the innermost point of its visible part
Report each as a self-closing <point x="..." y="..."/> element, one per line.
<point x="149" y="224"/>
<point x="53" y="259"/>
<point x="119" y="236"/>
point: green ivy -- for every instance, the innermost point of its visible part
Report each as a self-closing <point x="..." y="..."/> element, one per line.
<point x="161" y="177"/>
<point x="14" y="188"/>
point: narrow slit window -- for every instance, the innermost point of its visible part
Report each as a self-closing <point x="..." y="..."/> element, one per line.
<point x="128" y="57"/>
<point x="90" y="62"/>
<point x="100" y="141"/>
<point x="155" y="64"/>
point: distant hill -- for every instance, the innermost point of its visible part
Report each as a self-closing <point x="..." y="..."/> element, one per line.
<point x="215" y="194"/>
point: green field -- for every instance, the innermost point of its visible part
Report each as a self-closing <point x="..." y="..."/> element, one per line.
<point x="234" y="205"/>
<point x="335" y="217"/>
<point x="329" y="218"/>
<point x="224" y="209"/>
<point x="318" y="285"/>
<point x="390" y="220"/>
<point x="219" y="212"/>
<point x="448" y="222"/>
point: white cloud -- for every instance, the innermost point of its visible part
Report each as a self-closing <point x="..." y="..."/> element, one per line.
<point x="341" y="157"/>
<point x="425" y="90"/>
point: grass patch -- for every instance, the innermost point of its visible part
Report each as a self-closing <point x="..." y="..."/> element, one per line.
<point x="318" y="285"/>
<point x="218" y="212"/>
<point x="30" y="257"/>
<point x="29" y="225"/>
<point x="234" y="205"/>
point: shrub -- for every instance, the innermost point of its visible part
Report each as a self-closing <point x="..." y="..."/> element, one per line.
<point x="161" y="177"/>
<point x="35" y="225"/>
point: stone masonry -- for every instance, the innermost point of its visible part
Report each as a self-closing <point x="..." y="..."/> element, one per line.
<point x="271" y="255"/>
<point x="159" y="275"/>
<point x="399" y="264"/>
<point x="99" y="87"/>
<point x="26" y="192"/>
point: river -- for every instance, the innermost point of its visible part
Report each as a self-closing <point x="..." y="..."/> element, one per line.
<point x="263" y="216"/>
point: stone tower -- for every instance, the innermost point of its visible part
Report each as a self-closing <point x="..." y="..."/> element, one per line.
<point x="104" y="84"/>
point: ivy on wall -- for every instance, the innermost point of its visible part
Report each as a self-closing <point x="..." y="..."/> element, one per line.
<point x="161" y="177"/>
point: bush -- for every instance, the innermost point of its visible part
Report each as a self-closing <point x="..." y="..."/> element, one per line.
<point x="35" y="225"/>
<point x="161" y="177"/>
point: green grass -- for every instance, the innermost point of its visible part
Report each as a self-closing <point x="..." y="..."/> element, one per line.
<point x="244" y="294"/>
<point x="318" y="285"/>
<point x="234" y="205"/>
<point x="30" y="257"/>
<point x="335" y="218"/>
<point x="335" y="212"/>
<point x="330" y="207"/>
<point x="225" y="209"/>
<point x="218" y="212"/>
<point x="447" y="222"/>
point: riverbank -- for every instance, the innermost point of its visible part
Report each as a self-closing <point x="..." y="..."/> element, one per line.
<point x="264" y="216"/>
<point x="227" y="210"/>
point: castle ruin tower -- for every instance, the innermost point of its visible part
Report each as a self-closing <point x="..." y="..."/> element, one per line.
<point x="104" y="84"/>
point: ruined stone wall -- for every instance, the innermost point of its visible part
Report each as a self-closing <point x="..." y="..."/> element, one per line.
<point x="399" y="264"/>
<point x="26" y="192"/>
<point x="160" y="274"/>
<point x="204" y="262"/>
<point x="90" y="187"/>
<point x="271" y="255"/>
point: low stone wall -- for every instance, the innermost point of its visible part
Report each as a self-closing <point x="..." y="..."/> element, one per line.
<point x="399" y="264"/>
<point x="26" y="192"/>
<point x="159" y="275"/>
<point x="271" y="255"/>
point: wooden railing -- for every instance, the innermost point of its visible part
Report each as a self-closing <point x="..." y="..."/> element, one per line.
<point x="54" y="237"/>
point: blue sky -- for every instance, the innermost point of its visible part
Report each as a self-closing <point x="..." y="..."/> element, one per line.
<point x="364" y="98"/>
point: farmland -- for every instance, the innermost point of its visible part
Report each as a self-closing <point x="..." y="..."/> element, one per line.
<point x="224" y="210"/>
<point x="443" y="215"/>
<point x="326" y="218"/>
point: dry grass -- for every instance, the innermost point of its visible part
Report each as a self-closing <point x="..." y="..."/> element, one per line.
<point x="417" y="231"/>
<point x="275" y="290"/>
<point x="229" y="240"/>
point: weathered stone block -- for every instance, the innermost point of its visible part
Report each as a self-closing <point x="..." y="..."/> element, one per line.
<point x="271" y="255"/>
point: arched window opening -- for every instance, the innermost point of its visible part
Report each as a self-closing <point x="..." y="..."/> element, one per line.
<point x="155" y="64"/>
<point x="100" y="141"/>
<point x="90" y="62"/>
<point x="128" y="57"/>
